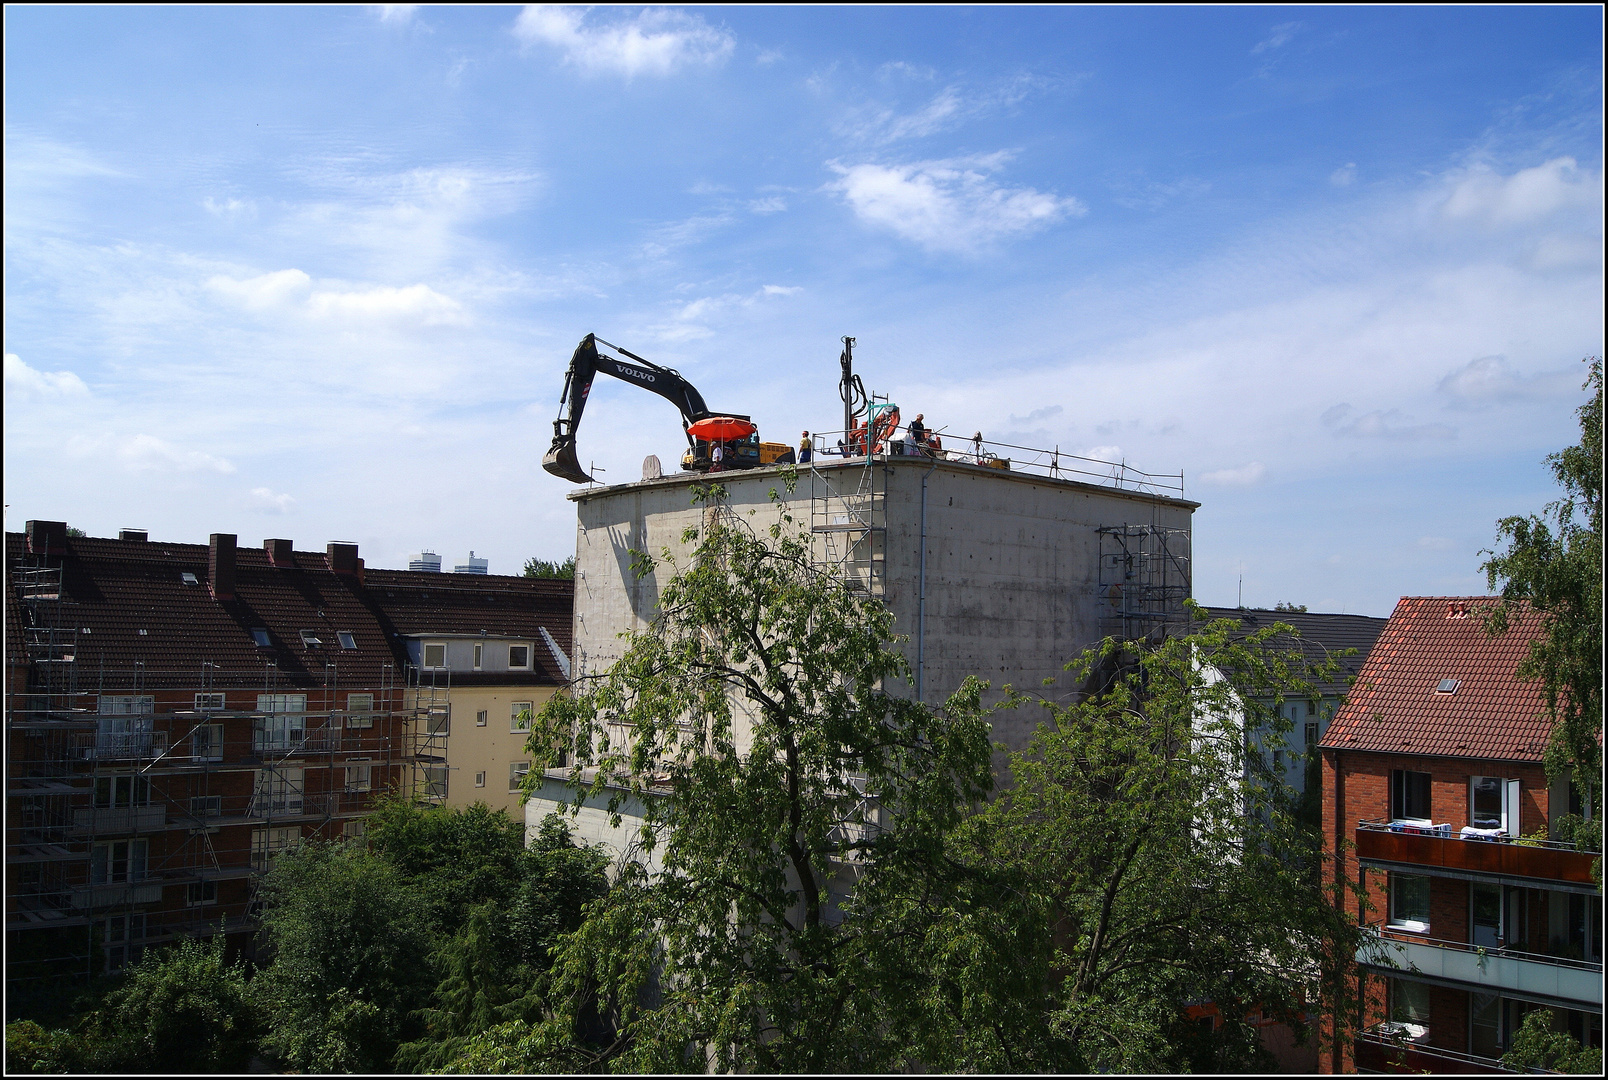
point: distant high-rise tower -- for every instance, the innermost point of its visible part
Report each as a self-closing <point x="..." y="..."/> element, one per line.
<point x="472" y="566"/>
<point x="427" y="561"/>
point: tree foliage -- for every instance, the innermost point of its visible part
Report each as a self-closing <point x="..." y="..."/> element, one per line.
<point x="1539" y="1047"/>
<point x="797" y="813"/>
<point x="1163" y="864"/>
<point x="542" y="568"/>
<point x="1554" y="563"/>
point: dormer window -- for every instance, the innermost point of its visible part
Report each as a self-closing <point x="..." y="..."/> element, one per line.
<point x="519" y="656"/>
<point x="1448" y="686"/>
<point x="435" y="656"/>
<point x="310" y="639"/>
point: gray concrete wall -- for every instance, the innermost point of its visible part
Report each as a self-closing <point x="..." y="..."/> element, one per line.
<point x="1011" y="571"/>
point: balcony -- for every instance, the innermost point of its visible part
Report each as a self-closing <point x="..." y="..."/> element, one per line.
<point x="1380" y="1053"/>
<point x="1550" y="980"/>
<point x="1523" y="862"/>
<point x="109" y="822"/>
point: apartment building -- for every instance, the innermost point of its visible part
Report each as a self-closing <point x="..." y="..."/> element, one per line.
<point x="178" y="713"/>
<point x="1436" y="803"/>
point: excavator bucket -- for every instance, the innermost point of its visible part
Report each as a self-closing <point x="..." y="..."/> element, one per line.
<point x="560" y="461"/>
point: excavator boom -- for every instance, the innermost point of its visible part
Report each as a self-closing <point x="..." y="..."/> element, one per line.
<point x="560" y="459"/>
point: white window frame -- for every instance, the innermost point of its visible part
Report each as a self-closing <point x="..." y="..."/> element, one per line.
<point x="480" y="779"/>
<point x="1398" y="921"/>
<point x="105" y="857"/>
<point x="266" y="843"/>
<point x="517" y="725"/>
<point x="206" y="806"/>
<point x="279" y="792"/>
<point x="482" y="717"/>
<point x="438" y="720"/>
<point x="478" y="650"/>
<point x="200" y="893"/>
<point x="206" y="742"/>
<point x="436" y="780"/>
<point x="209" y="701"/>
<point x="424" y="655"/>
<point x="127" y="704"/>
<point x="116" y="934"/>
<point x="525" y="666"/>
<point x="517" y="771"/>
<point x="359" y="710"/>
<point x="1404" y="773"/>
<point x="359" y="774"/>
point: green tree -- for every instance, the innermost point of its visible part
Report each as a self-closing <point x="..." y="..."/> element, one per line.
<point x="455" y="858"/>
<point x="541" y="568"/>
<point x="348" y="938"/>
<point x="1155" y="862"/>
<point x="798" y="812"/>
<point x="1554" y="563"/>
<point x="1286" y="605"/>
<point x="1539" y="1047"/>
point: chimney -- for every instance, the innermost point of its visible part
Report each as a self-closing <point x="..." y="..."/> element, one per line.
<point x="342" y="558"/>
<point x="221" y="566"/>
<point x="47" y="538"/>
<point x="360" y="571"/>
<point x="279" y="552"/>
<point x="139" y="536"/>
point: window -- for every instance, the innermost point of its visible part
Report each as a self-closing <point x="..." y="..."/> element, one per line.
<point x="359" y="709"/>
<point x="519" y="716"/>
<point x="1409" y="1002"/>
<point x="206" y="806"/>
<point x="266" y="843"/>
<point x="259" y="634"/>
<point x="200" y="892"/>
<point x="1311" y="736"/>
<point x="1496" y="916"/>
<point x="347" y="640"/>
<point x="435" y="782"/>
<point x="127" y="704"/>
<point x="1485" y="798"/>
<point x="281" y="733"/>
<point x="478" y="649"/>
<point x="122" y="792"/>
<point x="124" y="735"/>
<point x="354" y="830"/>
<point x="1485" y="1025"/>
<point x="1585" y="926"/>
<point x="206" y="742"/>
<point x="121" y="936"/>
<point x="435" y="656"/>
<point x="1409" y="902"/>
<point x="189" y="578"/>
<point x="439" y="720"/>
<point x="117" y="861"/>
<point x="209" y="701"/>
<point x="1409" y="796"/>
<point x="516" y="774"/>
<point x="481" y="717"/>
<point x="278" y="791"/>
<point x="310" y="639"/>
<point x="1278" y="761"/>
<point x="358" y="774"/>
<point x="282" y="703"/>
<point x="480" y="779"/>
<point x="1448" y="686"/>
<point x="519" y="656"/>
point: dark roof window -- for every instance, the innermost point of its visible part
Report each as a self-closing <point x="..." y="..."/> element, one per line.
<point x="260" y="636"/>
<point x="310" y="639"/>
<point x="189" y="578"/>
<point x="1448" y="686"/>
<point x="347" y="640"/>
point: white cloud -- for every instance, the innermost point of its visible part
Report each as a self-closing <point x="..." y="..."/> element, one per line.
<point x="768" y="57"/>
<point x="1491" y="380"/>
<point x="782" y="290"/>
<point x="266" y="501"/>
<point x="397" y="13"/>
<point x="1244" y="476"/>
<point x="291" y="290"/>
<point x="147" y="453"/>
<point x="1109" y="454"/>
<point x="949" y="108"/>
<point x="948" y="205"/>
<point x="25" y="381"/>
<point x="772" y="205"/>
<point x="1481" y="195"/>
<point x="1342" y="419"/>
<point x="1345" y="175"/>
<point x="655" y="42"/>
<point x="229" y="208"/>
<point x="1278" y="38"/>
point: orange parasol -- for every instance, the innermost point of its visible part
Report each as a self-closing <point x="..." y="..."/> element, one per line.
<point x="721" y="428"/>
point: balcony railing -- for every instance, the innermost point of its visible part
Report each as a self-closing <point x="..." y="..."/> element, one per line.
<point x="1437" y="846"/>
<point x="1507" y="971"/>
<point x="1378" y="1052"/>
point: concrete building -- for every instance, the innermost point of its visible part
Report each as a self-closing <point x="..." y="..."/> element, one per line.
<point x="1436" y="803"/>
<point x="996" y="572"/>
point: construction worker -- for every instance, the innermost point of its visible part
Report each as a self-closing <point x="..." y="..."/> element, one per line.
<point x="717" y="454"/>
<point x="805" y="448"/>
<point x="917" y="430"/>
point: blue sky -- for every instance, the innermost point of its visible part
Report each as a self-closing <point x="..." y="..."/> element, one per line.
<point x="317" y="272"/>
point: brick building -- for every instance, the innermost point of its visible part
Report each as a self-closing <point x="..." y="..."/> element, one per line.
<point x="1437" y="804"/>
<point x="177" y="713"/>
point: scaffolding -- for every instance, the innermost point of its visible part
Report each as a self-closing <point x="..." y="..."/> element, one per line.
<point x="1144" y="580"/>
<point x="429" y="725"/>
<point x="848" y="522"/>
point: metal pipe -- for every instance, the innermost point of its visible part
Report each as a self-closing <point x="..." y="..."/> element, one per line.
<point x="921" y="596"/>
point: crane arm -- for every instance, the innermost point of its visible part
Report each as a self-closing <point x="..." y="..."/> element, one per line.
<point x="560" y="458"/>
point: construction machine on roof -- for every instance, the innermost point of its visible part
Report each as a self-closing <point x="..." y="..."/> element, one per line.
<point x="741" y="448"/>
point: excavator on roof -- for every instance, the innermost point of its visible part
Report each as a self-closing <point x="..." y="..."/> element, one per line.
<point x="739" y="451"/>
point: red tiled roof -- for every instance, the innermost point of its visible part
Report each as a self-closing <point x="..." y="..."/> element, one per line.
<point x="1394" y="706"/>
<point x="112" y="590"/>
